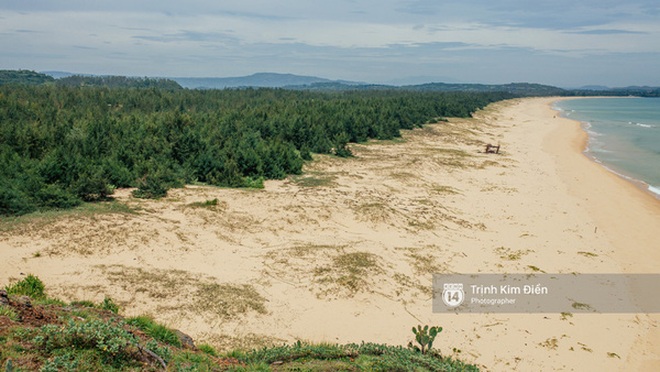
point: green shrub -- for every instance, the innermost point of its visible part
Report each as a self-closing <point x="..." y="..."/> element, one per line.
<point x="208" y="349"/>
<point x="150" y="188"/>
<point x="83" y="303"/>
<point x="109" y="305"/>
<point x="53" y="196"/>
<point x="189" y="361"/>
<point x="30" y="286"/>
<point x="253" y="182"/>
<point x="14" y="202"/>
<point x="155" y="330"/>
<point x="8" y="312"/>
<point x="162" y="351"/>
<point x="67" y="362"/>
<point x="108" y="339"/>
<point x="211" y="203"/>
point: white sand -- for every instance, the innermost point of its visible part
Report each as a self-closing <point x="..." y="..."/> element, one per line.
<point x="351" y="258"/>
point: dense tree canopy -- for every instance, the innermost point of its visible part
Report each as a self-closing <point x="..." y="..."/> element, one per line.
<point x="117" y="82"/>
<point x="61" y="145"/>
<point x="24" y="77"/>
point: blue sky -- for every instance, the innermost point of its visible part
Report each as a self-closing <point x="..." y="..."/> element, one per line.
<point x="559" y="42"/>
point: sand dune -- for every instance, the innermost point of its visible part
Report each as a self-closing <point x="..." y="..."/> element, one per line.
<point x="346" y="252"/>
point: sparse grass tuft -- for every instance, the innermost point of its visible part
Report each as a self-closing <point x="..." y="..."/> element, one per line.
<point x="208" y="204"/>
<point x="509" y="254"/>
<point x="535" y="268"/>
<point x="207" y="349"/>
<point x="402" y="176"/>
<point x="82" y="303"/>
<point x="228" y="300"/>
<point x="587" y="254"/>
<point x="443" y="189"/>
<point x="424" y="264"/>
<point x="313" y="181"/>
<point x="565" y="316"/>
<point x="550" y="343"/>
<point x="349" y="272"/>
<point x="581" y="306"/>
<point x="357" y="263"/>
<point x="9" y="313"/>
<point x="375" y="212"/>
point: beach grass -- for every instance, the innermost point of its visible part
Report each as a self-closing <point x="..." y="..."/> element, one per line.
<point x="37" y="220"/>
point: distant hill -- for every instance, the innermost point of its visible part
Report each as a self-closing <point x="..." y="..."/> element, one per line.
<point x="636" y="91"/>
<point x="258" y="80"/>
<point x="519" y="89"/>
<point x="62" y="74"/>
<point x="23" y="77"/>
<point x="643" y="91"/>
<point x="594" y="87"/>
<point x="522" y="89"/>
<point x="310" y="83"/>
<point x="90" y="80"/>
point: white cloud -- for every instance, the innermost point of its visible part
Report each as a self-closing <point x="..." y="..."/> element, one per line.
<point x="377" y="39"/>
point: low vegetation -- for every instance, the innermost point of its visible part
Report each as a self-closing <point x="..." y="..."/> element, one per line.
<point x="38" y="333"/>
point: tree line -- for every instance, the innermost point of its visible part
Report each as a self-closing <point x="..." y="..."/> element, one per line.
<point x="63" y="144"/>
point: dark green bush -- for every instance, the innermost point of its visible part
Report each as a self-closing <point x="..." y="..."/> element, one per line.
<point x="53" y="196"/>
<point x="150" y="187"/>
<point x="14" y="201"/>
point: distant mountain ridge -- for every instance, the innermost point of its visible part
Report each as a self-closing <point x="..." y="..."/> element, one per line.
<point x="258" y="80"/>
<point x="314" y="83"/>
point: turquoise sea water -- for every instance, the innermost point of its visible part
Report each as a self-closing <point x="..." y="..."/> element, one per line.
<point x="624" y="134"/>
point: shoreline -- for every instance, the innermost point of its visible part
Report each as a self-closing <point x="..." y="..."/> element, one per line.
<point x="579" y="171"/>
<point x="633" y="200"/>
<point x="641" y="184"/>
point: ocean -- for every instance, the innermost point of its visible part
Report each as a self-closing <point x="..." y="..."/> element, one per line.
<point x="624" y="135"/>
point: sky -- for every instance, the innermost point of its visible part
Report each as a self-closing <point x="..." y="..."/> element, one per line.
<point x="567" y="43"/>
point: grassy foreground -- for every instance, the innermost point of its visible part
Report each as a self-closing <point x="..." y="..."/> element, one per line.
<point x="38" y="333"/>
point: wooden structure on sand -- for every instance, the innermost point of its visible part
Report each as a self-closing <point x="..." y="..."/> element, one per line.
<point x="493" y="149"/>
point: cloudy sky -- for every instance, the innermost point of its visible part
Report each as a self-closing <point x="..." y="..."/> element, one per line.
<point x="559" y="42"/>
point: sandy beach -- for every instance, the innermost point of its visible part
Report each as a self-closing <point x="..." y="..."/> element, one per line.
<point x="346" y="251"/>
